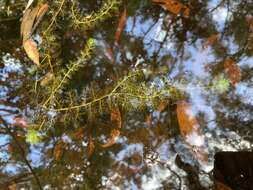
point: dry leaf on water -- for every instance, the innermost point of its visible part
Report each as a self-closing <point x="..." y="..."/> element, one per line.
<point x="174" y="7"/>
<point x="121" y="25"/>
<point x="232" y="70"/>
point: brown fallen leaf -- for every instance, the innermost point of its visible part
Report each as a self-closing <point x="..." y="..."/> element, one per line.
<point x="31" y="50"/>
<point x="30" y="21"/>
<point x="121" y="25"/>
<point x="232" y="70"/>
<point x="174" y="7"/>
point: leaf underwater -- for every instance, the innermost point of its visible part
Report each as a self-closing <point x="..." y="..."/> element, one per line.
<point x="221" y="186"/>
<point x="174" y="7"/>
<point x="28" y="25"/>
<point x="189" y="129"/>
<point x="58" y="150"/>
<point x="121" y="25"/>
<point x="90" y="147"/>
<point x="116" y="118"/>
<point x="32" y="51"/>
<point x="210" y="40"/>
<point x="186" y="119"/>
<point x="233" y="71"/>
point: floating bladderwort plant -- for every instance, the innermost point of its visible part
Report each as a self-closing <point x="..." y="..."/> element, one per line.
<point x="32" y="136"/>
<point x="220" y="84"/>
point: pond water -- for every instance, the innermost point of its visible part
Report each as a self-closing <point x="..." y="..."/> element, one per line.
<point x="127" y="94"/>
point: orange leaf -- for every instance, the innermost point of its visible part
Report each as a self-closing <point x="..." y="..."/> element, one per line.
<point x="210" y="40"/>
<point x="232" y="70"/>
<point x="121" y="25"/>
<point x="32" y="51"/>
<point x="42" y="11"/>
<point x="174" y="7"/>
<point x="186" y="119"/>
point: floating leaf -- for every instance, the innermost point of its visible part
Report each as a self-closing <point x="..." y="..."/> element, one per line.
<point x="121" y="25"/>
<point x="32" y="137"/>
<point x="174" y="7"/>
<point x="32" y="51"/>
<point x="232" y="70"/>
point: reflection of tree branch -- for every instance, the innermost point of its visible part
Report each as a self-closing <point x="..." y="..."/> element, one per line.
<point x="22" y="152"/>
<point x="217" y="6"/>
